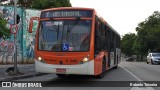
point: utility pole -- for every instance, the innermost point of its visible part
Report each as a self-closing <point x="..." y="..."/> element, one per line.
<point x="15" y="38"/>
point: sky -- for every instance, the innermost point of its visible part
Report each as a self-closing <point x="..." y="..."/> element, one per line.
<point x="122" y="15"/>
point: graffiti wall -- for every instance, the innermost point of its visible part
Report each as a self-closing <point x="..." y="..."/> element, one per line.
<point x="6" y="46"/>
<point x="25" y="41"/>
<point x="29" y="38"/>
<point x="6" y="51"/>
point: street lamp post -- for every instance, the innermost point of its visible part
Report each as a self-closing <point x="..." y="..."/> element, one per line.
<point x="15" y="38"/>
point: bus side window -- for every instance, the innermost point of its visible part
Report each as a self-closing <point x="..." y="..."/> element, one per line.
<point x="97" y="37"/>
<point x="100" y="36"/>
<point x="112" y="42"/>
<point x="103" y="38"/>
<point x="107" y="38"/>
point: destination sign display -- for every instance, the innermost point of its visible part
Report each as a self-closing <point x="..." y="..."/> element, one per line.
<point x="66" y="13"/>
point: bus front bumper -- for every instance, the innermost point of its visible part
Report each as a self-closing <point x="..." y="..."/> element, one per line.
<point x="79" y="69"/>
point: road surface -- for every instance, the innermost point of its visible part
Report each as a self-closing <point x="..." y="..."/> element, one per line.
<point x="127" y="71"/>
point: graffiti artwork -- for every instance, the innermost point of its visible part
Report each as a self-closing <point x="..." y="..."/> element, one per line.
<point x="6" y="51"/>
<point x="29" y="38"/>
<point x="25" y="40"/>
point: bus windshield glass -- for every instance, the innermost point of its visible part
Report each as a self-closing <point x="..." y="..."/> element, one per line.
<point x="64" y="35"/>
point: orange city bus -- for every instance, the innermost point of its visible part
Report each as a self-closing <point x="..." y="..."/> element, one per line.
<point x="73" y="40"/>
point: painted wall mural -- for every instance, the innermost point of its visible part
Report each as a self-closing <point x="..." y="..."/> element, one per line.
<point x="25" y="41"/>
<point x="6" y="51"/>
<point x="29" y="38"/>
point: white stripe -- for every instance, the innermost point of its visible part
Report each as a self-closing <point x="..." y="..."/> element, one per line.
<point x="138" y="79"/>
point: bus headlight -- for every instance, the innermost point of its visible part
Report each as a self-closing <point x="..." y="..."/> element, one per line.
<point x="41" y="60"/>
<point x="86" y="59"/>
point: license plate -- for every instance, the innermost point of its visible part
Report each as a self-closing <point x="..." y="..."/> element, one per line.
<point x="61" y="70"/>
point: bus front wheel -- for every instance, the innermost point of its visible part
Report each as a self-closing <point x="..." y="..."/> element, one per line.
<point x="103" y="69"/>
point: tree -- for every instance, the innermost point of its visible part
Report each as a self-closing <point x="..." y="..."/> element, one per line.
<point x="127" y="44"/>
<point x="23" y="3"/>
<point x="148" y="31"/>
<point x="148" y="35"/>
<point x="43" y="4"/>
<point x="4" y="31"/>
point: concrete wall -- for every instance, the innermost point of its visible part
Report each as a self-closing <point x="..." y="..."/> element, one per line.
<point x="25" y="40"/>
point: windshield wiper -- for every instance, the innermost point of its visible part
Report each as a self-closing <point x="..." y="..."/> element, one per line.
<point x="69" y="29"/>
<point x="57" y="30"/>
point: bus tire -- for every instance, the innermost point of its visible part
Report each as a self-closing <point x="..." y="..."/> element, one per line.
<point x="61" y="75"/>
<point x="103" y="69"/>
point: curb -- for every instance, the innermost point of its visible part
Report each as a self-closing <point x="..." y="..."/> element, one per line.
<point x="22" y="76"/>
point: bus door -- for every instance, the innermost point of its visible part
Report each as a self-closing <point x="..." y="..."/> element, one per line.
<point x="112" y="46"/>
<point x="115" y="54"/>
<point x="109" y="48"/>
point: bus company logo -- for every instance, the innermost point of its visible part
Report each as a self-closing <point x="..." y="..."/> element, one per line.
<point x="6" y="84"/>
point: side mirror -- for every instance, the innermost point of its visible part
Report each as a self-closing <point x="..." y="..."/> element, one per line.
<point x="31" y="23"/>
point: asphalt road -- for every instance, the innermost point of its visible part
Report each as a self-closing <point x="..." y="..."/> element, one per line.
<point x="127" y="71"/>
<point x="145" y="72"/>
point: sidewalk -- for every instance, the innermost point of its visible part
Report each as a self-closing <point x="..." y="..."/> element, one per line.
<point x="28" y="70"/>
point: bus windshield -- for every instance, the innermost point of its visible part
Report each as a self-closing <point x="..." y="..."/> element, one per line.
<point x="64" y="35"/>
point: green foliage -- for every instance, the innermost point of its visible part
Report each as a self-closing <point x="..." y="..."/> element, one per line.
<point x="148" y="34"/>
<point x="4" y="31"/>
<point x="25" y="3"/>
<point x="127" y="44"/>
<point x="147" y="38"/>
<point x="43" y="4"/>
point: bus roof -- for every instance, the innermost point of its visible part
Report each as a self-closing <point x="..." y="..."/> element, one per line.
<point x="65" y="8"/>
<point x="81" y="8"/>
